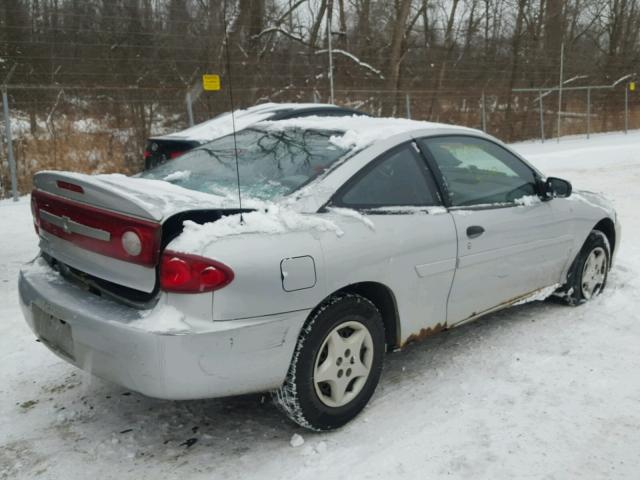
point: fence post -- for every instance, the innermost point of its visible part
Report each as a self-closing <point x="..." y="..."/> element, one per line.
<point x="483" y="106"/>
<point x="7" y="130"/>
<point x="329" y="15"/>
<point x="407" y="99"/>
<point x="626" y="107"/>
<point x="560" y="89"/>
<point x="540" y="108"/>
<point x="190" y="109"/>
<point x="588" y="113"/>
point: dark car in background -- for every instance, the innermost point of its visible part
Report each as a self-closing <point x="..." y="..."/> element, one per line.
<point x="166" y="147"/>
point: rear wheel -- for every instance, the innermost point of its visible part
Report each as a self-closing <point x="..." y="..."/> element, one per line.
<point x="336" y="364"/>
<point x="587" y="276"/>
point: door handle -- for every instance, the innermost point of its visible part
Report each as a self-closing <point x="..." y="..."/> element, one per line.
<point x="474" y="231"/>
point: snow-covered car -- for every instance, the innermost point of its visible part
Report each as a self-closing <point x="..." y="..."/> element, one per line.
<point x="351" y="241"/>
<point x="167" y="147"/>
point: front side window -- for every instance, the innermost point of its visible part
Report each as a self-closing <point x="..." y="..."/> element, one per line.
<point x="479" y="172"/>
<point x="272" y="162"/>
<point x="399" y="178"/>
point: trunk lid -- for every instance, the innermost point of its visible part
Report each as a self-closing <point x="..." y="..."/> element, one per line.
<point x="153" y="200"/>
<point x="109" y="228"/>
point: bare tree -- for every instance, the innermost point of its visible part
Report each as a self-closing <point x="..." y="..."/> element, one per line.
<point x="398" y="32"/>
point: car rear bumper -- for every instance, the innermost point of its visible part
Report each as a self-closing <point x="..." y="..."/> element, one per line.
<point x="211" y="359"/>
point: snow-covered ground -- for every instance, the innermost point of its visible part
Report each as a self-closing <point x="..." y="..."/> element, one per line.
<point x="537" y="391"/>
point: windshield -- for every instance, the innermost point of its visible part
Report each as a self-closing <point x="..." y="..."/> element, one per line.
<point x="272" y="163"/>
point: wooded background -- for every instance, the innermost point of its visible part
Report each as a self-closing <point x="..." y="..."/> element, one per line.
<point x="128" y="63"/>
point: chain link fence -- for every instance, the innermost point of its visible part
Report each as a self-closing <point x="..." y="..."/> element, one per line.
<point x="103" y="130"/>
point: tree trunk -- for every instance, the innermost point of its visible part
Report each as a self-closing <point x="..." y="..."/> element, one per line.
<point x="449" y="44"/>
<point x="515" y="65"/>
<point x="364" y="29"/>
<point x="395" y="58"/>
<point x="553" y="30"/>
<point x="315" y="29"/>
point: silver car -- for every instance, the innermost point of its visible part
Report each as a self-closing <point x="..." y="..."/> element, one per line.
<point x="355" y="237"/>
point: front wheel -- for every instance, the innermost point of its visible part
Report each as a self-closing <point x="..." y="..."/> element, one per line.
<point x="336" y="364"/>
<point x="587" y="276"/>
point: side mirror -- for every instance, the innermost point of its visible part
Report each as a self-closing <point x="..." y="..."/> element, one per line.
<point x="557" y="188"/>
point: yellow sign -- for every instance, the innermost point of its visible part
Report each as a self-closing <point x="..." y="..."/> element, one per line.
<point x="211" y="82"/>
<point x="632" y="86"/>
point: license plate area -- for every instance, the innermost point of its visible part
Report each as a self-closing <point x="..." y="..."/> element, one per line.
<point x="53" y="331"/>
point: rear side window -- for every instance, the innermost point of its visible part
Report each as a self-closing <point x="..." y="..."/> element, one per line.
<point x="398" y="178"/>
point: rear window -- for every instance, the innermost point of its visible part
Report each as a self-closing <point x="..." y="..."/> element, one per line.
<point x="272" y="163"/>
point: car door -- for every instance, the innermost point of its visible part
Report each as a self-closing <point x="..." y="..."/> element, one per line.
<point x="406" y="242"/>
<point x="510" y="242"/>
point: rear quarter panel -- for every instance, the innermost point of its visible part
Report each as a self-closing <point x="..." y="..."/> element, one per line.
<point x="257" y="288"/>
<point x="413" y="255"/>
<point x="386" y="252"/>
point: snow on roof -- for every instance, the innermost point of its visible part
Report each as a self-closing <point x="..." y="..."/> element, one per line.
<point x="222" y="125"/>
<point x="359" y="131"/>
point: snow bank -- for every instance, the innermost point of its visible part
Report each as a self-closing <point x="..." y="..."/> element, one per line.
<point x="88" y="125"/>
<point x="273" y="220"/>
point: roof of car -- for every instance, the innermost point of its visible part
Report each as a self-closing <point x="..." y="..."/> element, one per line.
<point x="222" y="125"/>
<point x="360" y="131"/>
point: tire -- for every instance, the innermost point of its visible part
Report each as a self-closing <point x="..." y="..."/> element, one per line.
<point x="342" y="341"/>
<point x="588" y="274"/>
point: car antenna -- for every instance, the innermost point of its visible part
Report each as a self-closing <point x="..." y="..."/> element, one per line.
<point x="233" y="115"/>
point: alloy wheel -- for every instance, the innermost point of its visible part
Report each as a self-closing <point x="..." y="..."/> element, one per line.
<point x="343" y="364"/>
<point x="594" y="273"/>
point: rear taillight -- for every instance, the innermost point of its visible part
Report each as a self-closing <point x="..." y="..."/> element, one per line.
<point x="102" y="231"/>
<point x="146" y="154"/>
<point x="185" y="273"/>
<point x="175" y="154"/>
